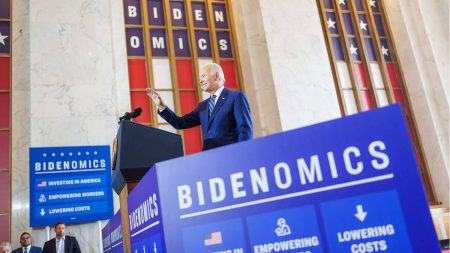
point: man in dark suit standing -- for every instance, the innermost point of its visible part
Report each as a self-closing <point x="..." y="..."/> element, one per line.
<point x="62" y="243"/>
<point x="224" y="117"/>
<point x="25" y="241"/>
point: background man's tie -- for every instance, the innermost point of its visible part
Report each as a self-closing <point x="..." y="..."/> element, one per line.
<point x="211" y="104"/>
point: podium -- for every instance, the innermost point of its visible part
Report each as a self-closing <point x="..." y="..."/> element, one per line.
<point x="136" y="149"/>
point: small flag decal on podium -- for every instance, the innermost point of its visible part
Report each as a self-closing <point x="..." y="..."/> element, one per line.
<point x="213" y="238"/>
<point x="42" y="184"/>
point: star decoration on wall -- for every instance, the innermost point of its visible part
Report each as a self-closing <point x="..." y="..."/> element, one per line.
<point x="331" y="23"/>
<point x="353" y="49"/>
<point x="342" y="2"/>
<point x="2" y="38"/>
<point x="362" y="25"/>
<point x="372" y="3"/>
<point x="384" y="50"/>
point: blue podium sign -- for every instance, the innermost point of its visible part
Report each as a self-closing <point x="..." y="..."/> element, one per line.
<point x="144" y="215"/>
<point x="347" y="185"/>
<point x="70" y="184"/>
<point x="112" y="235"/>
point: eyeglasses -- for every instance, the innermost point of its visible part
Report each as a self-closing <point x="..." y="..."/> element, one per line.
<point x="24" y="238"/>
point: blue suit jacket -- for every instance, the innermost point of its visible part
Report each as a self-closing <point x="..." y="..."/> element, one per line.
<point x="33" y="249"/>
<point x="230" y="120"/>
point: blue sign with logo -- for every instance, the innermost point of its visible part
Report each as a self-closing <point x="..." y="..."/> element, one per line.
<point x="347" y="185"/>
<point x="144" y="216"/>
<point x="70" y="184"/>
<point x="112" y="235"/>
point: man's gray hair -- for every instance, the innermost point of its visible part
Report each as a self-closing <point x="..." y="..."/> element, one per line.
<point x="4" y="245"/>
<point x="215" y="68"/>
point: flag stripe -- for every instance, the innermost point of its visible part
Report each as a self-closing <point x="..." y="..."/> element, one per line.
<point x="350" y="103"/>
<point x="382" y="97"/>
<point x="230" y="74"/>
<point x="4" y="149"/>
<point x="137" y="73"/>
<point x="4" y="221"/>
<point x="140" y="99"/>
<point x="376" y="75"/>
<point x="4" y="190"/>
<point x="4" y="110"/>
<point x="167" y="96"/>
<point x="361" y="75"/>
<point x="5" y="73"/>
<point x="161" y="74"/>
<point x="184" y="74"/>
<point x="344" y="77"/>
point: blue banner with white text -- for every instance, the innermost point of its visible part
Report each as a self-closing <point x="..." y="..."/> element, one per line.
<point x="347" y="185"/>
<point x="70" y="184"/>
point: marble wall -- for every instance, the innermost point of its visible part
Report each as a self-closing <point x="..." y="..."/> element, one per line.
<point x="69" y="86"/>
<point x="285" y="65"/>
<point x="303" y="80"/>
<point x="421" y="31"/>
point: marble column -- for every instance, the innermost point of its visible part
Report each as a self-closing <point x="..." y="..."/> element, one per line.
<point x="420" y="31"/>
<point x="285" y="64"/>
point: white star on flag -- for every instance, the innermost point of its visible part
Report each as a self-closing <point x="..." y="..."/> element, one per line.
<point x="384" y="50"/>
<point x="353" y="49"/>
<point x="342" y="2"/>
<point x="331" y="23"/>
<point x="2" y="38"/>
<point x="372" y="3"/>
<point x="363" y="25"/>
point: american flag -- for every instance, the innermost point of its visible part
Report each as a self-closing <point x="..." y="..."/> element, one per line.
<point x="42" y="184"/>
<point x="362" y="52"/>
<point x="365" y="63"/>
<point x="213" y="238"/>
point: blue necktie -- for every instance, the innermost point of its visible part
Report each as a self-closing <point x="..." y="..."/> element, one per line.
<point x="211" y="104"/>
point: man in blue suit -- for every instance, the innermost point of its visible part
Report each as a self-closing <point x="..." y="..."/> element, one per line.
<point x="224" y="117"/>
<point x="25" y="241"/>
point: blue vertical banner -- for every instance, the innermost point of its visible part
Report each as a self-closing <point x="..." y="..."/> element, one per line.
<point x="203" y="43"/>
<point x="199" y="14"/>
<point x="178" y="14"/>
<point x="112" y="235"/>
<point x="132" y="11"/>
<point x="70" y="184"/>
<point x="135" y="42"/>
<point x="220" y="15"/>
<point x="5" y="37"/>
<point x="144" y="216"/>
<point x="159" y="42"/>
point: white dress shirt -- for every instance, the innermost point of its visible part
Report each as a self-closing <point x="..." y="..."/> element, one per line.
<point x="60" y="244"/>
<point x="28" y="249"/>
<point x="217" y="93"/>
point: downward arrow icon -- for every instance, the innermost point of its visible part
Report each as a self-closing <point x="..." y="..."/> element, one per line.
<point x="360" y="214"/>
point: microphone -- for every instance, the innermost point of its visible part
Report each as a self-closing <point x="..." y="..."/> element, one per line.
<point x="131" y="115"/>
<point x="136" y="113"/>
